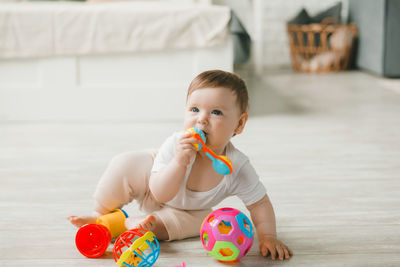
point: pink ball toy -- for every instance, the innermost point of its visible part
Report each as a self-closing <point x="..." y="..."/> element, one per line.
<point x="227" y="234"/>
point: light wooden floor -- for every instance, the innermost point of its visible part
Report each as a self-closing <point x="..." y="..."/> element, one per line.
<point x="326" y="146"/>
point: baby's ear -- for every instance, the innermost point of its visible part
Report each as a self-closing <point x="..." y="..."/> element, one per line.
<point x="242" y="122"/>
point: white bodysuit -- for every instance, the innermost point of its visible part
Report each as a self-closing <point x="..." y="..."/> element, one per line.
<point x="242" y="182"/>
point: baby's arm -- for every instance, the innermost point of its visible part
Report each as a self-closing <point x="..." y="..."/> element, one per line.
<point x="263" y="216"/>
<point x="165" y="184"/>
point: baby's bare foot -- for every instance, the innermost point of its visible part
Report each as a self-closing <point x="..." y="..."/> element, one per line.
<point x="150" y="223"/>
<point x="146" y="222"/>
<point x="78" y="221"/>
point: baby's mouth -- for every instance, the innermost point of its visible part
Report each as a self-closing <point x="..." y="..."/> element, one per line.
<point x="207" y="138"/>
<point x="205" y="133"/>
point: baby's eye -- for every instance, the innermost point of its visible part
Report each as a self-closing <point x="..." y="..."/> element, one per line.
<point x="194" y="109"/>
<point x="216" y="112"/>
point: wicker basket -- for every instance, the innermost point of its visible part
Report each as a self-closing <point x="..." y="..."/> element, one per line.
<point x="321" y="47"/>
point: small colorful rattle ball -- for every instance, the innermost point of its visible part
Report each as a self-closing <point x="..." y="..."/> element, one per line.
<point x="136" y="248"/>
<point x="227" y="234"/>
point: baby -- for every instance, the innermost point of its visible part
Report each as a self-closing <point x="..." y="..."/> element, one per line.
<point x="177" y="186"/>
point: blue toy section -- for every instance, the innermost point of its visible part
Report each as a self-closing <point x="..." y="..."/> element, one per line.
<point x="246" y="229"/>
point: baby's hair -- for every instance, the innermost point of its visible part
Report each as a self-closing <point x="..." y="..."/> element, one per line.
<point x="219" y="78"/>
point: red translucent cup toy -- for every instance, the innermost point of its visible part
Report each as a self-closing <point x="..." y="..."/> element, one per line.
<point x="92" y="240"/>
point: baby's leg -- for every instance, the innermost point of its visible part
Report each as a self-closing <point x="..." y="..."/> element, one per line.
<point x="125" y="179"/>
<point x="171" y="224"/>
<point x="78" y="221"/>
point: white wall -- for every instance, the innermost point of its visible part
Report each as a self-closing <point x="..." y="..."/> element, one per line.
<point x="265" y="20"/>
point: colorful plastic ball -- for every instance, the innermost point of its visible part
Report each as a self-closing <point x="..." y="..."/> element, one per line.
<point x="227" y="234"/>
<point x="136" y="248"/>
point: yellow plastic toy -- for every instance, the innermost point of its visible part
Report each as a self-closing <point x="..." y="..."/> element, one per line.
<point x="114" y="221"/>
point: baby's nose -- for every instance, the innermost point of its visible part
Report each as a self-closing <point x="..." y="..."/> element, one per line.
<point x="202" y="118"/>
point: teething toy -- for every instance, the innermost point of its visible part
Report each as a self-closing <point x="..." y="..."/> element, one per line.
<point x="136" y="248"/>
<point x="227" y="234"/>
<point x="92" y="239"/>
<point x="195" y="131"/>
<point x="221" y="164"/>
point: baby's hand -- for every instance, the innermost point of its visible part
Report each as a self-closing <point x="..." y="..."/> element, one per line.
<point x="185" y="149"/>
<point x="272" y="246"/>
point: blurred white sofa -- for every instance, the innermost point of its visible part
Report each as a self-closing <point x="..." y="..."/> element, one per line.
<point x="120" y="61"/>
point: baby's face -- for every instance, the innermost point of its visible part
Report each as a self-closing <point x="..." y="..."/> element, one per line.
<point x="216" y="112"/>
